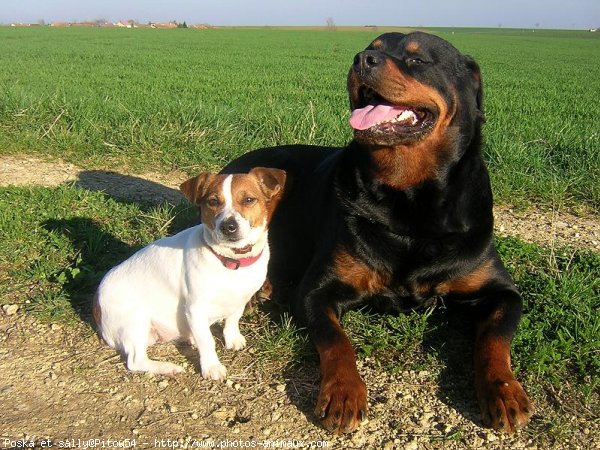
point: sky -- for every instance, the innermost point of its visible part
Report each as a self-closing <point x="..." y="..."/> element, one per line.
<point x="577" y="14"/>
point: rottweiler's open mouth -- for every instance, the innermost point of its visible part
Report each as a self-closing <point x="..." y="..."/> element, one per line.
<point x="377" y="115"/>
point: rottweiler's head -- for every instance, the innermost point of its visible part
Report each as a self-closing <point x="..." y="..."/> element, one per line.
<point x="415" y="90"/>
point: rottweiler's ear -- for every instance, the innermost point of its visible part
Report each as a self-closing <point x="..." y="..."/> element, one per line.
<point x="271" y="181"/>
<point x="477" y="83"/>
<point x="195" y="188"/>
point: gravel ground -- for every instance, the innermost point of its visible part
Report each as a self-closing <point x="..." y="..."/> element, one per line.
<point x="60" y="382"/>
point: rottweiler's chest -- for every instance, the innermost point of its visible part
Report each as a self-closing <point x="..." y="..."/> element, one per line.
<point x="412" y="288"/>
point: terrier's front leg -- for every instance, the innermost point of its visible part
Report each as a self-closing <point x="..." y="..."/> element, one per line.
<point x="231" y="331"/>
<point x="209" y="361"/>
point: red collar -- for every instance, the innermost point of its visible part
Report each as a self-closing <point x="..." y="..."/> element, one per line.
<point x="235" y="264"/>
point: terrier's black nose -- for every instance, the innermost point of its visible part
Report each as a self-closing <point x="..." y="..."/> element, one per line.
<point x="229" y="227"/>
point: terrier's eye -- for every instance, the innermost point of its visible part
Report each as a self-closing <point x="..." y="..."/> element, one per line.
<point x="213" y="202"/>
<point x="248" y="201"/>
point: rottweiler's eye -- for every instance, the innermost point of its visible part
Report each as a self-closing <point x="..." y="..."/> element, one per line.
<point x="248" y="201"/>
<point x="415" y="61"/>
<point x="213" y="202"/>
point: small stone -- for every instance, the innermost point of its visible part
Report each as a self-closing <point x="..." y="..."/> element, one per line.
<point x="194" y="416"/>
<point x="163" y="384"/>
<point x="236" y="430"/>
<point x="358" y="439"/>
<point x="229" y="383"/>
<point x="172" y="409"/>
<point x="280" y="388"/>
<point x="237" y="386"/>
<point x="267" y="431"/>
<point x="53" y="376"/>
<point x="55" y="327"/>
<point x="221" y="414"/>
<point x="135" y="431"/>
<point x="412" y="445"/>
<point x="10" y="310"/>
<point x="491" y="437"/>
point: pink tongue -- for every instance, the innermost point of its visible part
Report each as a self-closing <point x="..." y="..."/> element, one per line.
<point x="366" y="117"/>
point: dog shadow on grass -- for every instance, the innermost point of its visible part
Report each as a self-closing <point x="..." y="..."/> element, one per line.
<point x="128" y="188"/>
<point x="97" y="251"/>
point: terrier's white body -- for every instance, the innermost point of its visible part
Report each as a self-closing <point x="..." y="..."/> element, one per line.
<point x="178" y="286"/>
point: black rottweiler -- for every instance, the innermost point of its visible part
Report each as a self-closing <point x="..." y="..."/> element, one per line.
<point x="398" y="218"/>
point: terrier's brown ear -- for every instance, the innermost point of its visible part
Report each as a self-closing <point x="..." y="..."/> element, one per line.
<point x="271" y="181"/>
<point x="195" y="188"/>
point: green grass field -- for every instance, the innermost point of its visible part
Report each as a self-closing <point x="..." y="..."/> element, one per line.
<point x="195" y="99"/>
<point x="155" y="100"/>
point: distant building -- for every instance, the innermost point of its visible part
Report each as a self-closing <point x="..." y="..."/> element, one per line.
<point x="84" y="24"/>
<point x="60" y="24"/>
<point x="167" y="25"/>
<point x="126" y="24"/>
<point x="104" y="24"/>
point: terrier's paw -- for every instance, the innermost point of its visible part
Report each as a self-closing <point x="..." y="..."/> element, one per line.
<point x="214" y="372"/>
<point x="236" y="342"/>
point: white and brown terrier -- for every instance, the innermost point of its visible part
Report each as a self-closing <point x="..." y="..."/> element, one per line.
<point x="178" y="286"/>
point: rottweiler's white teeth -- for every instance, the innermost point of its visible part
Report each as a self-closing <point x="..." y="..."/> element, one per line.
<point x="407" y="116"/>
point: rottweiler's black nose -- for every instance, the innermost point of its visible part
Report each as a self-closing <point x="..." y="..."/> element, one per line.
<point x="367" y="60"/>
<point x="229" y="227"/>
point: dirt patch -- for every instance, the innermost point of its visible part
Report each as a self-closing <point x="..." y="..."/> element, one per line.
<point x="547" y="228"/>
<point x="552" y="229"/>
<point x="146" y="187"/>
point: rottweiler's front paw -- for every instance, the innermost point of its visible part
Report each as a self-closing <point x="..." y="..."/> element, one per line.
<point x="504" y="405"/>
<point x="342" y="403"/>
